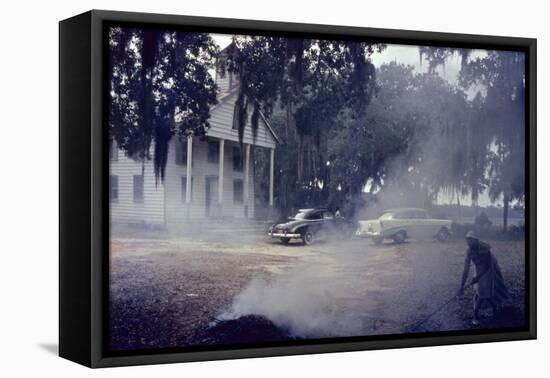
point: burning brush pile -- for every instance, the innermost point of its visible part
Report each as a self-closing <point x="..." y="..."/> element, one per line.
<point x="245" y="329"/>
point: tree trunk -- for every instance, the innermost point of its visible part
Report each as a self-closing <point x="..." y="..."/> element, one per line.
<point x="475" y="197"/>
<point x="428" y="202"/>
<point x="300" y="161"/>
<point x="287" y="125"/>
<point x="506" y="201"/>
<point x="148" y="52"/>
<point x="458" y="206"/>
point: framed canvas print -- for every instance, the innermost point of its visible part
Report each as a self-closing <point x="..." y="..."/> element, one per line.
<point x="233" y="188"/>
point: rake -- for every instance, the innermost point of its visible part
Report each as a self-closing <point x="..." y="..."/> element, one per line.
<point x="417" y="325"/>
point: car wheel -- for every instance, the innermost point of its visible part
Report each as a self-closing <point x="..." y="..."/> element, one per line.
<point x="443" y="235"/>
<point x="307" y="237"/>
<point x="377" y="240"/>
<point x="285" y="240"/>
<point x="400" y="237"/>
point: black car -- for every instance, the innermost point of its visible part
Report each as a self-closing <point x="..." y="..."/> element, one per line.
<point x="310" y="224"/>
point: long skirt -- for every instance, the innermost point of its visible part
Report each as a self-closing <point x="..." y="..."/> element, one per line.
<point x="491" y="287"/>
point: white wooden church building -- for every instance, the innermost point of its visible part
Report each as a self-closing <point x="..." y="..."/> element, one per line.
<point x="204" y="177"/>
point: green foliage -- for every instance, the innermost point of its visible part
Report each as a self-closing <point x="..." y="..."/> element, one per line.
<point x="258" y="63"/>
<point x="437" y="56"/>
<point x="345" y="126"/>
<point x="160" y="88"/>
<point x="502" y="74"/>
<point x="479" y="139"/>
<point x="301" y="73"/>
<point x="409" y="141"/>
<point x="314" y="82"/>
<point x="420" y="136"/>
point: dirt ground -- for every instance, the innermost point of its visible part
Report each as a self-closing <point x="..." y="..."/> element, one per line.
<point x="169" y="291"/>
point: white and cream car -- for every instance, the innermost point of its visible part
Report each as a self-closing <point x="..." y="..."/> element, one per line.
<point x="402" y="224"/>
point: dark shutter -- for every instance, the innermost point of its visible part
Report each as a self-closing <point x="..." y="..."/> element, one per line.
<point x="114" y="188"/>
<point x="213" y="151"/>
<point x="237" y="159"/>
<point x="138" y="188"/>
<point x="181" y="152"/>
<point x="238" y="191"/>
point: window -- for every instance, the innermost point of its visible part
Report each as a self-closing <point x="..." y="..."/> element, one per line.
<point x="114" y="188"/>
<point x="181" y="152"/>
<point x="238" y="192"/>
<point x="237" y="159"/>
<point x="315" y="215"/>
<point x="419" y="214"/>
<point x="400" y="215"/>
<point x="213" y="151"/>
<point x="138" y="188"/>
<point x="184" y="188"/>
<point x="113" y="151"/>
<point x="413" y="214"/>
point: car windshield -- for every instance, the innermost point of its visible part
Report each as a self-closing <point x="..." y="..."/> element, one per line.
<point x="386" y="216"/>
<point x="300" y="215"/>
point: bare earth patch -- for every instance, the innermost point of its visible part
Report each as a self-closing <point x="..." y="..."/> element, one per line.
<point x="172" y="292"/>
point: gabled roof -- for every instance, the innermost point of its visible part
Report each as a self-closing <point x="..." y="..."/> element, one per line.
<point x="226" y="98"/>
<point x="228" y="93"/>
<point x="268" y="124"/>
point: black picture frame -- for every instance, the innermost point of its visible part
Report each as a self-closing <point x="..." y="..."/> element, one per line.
<point x="83" y="196"/>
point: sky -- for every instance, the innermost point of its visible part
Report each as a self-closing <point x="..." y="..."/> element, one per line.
<point x="409" y="55"/>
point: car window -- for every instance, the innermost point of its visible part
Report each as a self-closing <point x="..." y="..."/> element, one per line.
<point x="415" y="214"/>
<point x="411" y="215"/>
<point x="399" y="215"/>
<point x="421" y="214"/>
<point x="314" y="215"/>
<point x="328" y="215"/>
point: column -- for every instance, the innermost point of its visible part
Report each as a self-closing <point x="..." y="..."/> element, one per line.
<point x="189" y="172"/>
<point x="271" y="175"/>
<point x="220" y="178"/>
<point x="246" y="178"/>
